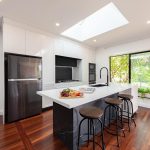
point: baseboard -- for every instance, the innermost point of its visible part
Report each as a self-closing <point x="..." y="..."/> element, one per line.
<point x="47" y="108"/>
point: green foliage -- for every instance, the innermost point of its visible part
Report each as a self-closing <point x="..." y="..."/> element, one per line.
<point x="140" y="68"/>
<point x="120" y="69"/>
<point x="144" y="90"/>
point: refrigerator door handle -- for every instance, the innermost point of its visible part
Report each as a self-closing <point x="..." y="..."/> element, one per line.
<point x="30" y="79"/>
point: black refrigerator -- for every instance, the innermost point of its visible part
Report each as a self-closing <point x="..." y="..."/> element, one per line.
<point x="23" y="78"/>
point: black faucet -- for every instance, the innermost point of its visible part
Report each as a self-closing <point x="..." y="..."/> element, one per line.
<point x="107" y="74"/>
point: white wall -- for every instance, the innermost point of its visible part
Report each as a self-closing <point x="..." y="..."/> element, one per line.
<point x="103" y="54"/>
<point x="23" y="39"/>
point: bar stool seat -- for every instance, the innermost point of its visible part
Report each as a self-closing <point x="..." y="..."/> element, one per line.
<point x="91" y="112"/>
<point x="113" y="101"/>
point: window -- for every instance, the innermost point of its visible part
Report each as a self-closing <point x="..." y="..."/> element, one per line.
<point x="140" y="69"/>
<point x="131" y="68"/>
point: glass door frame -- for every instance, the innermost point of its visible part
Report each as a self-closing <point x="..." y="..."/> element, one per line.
<point x="130" y="54"/>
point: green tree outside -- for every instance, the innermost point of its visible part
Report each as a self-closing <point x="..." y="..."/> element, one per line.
<point x="120" y="69"/>
<point x="140" y="69"/>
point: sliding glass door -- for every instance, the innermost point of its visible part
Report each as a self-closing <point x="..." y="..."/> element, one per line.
<point x="131" y="68"/>
<point x="140" y="69"/>
<point x="119" y="68"/>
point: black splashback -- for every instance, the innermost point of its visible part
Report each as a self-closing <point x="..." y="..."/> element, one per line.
<point x="63" y="74"/>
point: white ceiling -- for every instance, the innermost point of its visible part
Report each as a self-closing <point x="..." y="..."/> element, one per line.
<point x="45" y="13"/>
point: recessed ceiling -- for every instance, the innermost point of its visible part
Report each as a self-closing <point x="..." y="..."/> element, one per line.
<point x="44" y="14"/>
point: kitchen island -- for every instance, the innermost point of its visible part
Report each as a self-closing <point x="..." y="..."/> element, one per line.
<point x="66" y="115"/>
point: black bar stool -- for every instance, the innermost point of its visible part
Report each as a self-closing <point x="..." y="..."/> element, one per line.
<point x="128" y="114"/>
<point x="91" y="114"/>
<point x="113" y="106"/>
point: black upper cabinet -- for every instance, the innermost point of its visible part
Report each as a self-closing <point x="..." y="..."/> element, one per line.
<point x="65" y="61"/>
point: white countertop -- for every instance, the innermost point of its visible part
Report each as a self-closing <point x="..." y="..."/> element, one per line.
<point x="100" y="92"/>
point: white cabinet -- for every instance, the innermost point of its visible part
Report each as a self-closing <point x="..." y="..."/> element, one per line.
<point x="48" y="63"/>
<point x="48" y="60"/>
<point x="33" y="43"/>
<point x="59" y="46"/>
<point x="13" y="39"/>
<point x="70" y="49"/>
<point x="47" y="42"/>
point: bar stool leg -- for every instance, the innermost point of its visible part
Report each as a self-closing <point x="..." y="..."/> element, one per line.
<point x="128" y="115"/>
<point x="102" y="135"/>
<point x="109" y="115"/>
<point x="93" y="128"/>
<point x="88" y="131"/>
<point x="105" y="114"/>
<point x="90" y="126"/>
<point x="121" y="117"/>
<point x="122" y="121"/>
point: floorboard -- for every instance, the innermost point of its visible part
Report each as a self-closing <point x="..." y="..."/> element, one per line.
<point x="36" y="133"/>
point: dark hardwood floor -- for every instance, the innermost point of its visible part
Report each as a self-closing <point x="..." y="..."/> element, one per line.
<point x="36" y="133"/>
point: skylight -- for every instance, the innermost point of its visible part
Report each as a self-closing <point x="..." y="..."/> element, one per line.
<point x="106" y="19"/>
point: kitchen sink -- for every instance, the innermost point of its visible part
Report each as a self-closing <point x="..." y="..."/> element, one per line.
<point x="98" y="85"/>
